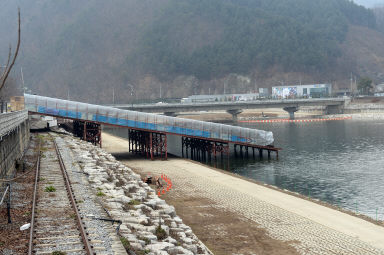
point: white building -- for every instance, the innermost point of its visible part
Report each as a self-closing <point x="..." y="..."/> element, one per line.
<point x="293" y="91"/>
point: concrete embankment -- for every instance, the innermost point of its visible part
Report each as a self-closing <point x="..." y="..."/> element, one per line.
<point x="14" y="138"/>
<point x="308" y="227"/>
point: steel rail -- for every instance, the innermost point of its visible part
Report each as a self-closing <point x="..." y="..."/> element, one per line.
<point x="87" y="245"/>
<point x="30" y="245"/>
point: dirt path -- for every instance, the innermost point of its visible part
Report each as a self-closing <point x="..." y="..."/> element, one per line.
<point x="234" y="216"/>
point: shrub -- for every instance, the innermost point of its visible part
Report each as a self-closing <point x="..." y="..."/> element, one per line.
<point x="50" y="189"/>
<point x="160" y="233"/>
<point x="100" y="194"/>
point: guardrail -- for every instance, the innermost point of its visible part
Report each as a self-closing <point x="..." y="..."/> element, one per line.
<point x="10" y="121"/>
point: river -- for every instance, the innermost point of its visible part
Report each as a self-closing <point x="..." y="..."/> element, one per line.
<point x="339" y="162"/>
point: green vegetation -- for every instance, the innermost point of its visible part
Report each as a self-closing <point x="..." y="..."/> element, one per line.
<point x="125" y="243"/>
<point x="160" y="233"/>
<point x="211" y="38"/>
<point x="131" y="204"/>
<point x="146" y="240"/>
<point x="143" y="252"/>
<point x="50" y="189"/>
<point x="100" y="194"/>
<point x="58" y="253"/>
<point x="134" y="202"/>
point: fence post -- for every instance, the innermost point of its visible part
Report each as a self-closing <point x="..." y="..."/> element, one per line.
<point x="9" y="203"/>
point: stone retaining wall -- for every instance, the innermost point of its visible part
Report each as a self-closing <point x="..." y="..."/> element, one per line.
<point x="149" y="224"/>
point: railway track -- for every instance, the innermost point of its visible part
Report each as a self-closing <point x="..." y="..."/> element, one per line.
<point x="57" y="225"/>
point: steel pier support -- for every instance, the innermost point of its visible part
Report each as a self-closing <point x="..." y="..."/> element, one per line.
<point x="204" y="150"/>
<point x="150" y="144"/>
<point x="88" y="131"/>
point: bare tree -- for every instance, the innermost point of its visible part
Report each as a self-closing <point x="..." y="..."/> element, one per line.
<point x="10" y="64"/>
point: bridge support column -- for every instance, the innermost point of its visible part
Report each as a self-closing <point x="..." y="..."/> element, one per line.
<point x="234" y="113"/>
<point x="203" y="150"/>
<point x="170" y="114"/>
<point x="334" y="109"/>
<point x="261" y="149"/>
<point x="291" y="110"/>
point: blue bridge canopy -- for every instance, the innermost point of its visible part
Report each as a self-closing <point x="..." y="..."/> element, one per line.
<point x="146" y="121"/>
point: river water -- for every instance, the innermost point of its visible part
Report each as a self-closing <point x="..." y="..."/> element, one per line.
<point x="339" y="162"/>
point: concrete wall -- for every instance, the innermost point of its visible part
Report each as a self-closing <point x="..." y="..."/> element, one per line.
<point x="14" y="142"/>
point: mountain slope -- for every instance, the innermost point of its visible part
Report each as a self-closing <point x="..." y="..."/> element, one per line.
<point x="85" y="48"/>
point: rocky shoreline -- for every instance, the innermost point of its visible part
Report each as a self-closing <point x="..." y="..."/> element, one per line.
<point x="149" y="224"/>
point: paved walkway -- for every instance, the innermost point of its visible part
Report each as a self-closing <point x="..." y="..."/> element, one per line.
<point x="319" y="229"/>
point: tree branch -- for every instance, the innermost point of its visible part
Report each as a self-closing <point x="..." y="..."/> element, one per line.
<point x="9" y="68"/>
<point x="6" y="66"/>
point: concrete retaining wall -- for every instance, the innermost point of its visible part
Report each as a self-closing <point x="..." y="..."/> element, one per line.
<point x="14" y="138"/>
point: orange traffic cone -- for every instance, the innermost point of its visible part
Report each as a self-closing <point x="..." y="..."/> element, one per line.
<point x="158" y="193"/>
<point x="163" y="191"/>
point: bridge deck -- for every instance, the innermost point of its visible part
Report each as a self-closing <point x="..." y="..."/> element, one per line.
<point x="147" y="121"/>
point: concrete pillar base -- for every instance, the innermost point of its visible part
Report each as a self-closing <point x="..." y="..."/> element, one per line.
<point x="170" y="114"/>
<point x="234" y="113"/>
<point x="291" y="111"/>
<point x="334" y="109"/>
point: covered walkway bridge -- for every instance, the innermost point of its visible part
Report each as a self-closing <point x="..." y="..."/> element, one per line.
<point x="148" y="132"/>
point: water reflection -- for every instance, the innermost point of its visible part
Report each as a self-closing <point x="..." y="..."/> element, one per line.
<point x="339" y="162"/>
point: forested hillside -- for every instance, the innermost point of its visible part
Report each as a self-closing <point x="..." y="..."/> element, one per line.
<point x="211" y="38"/>
<point x="85" y="48"/>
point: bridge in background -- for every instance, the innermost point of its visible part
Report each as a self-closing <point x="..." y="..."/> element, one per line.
<point x="333" y="106"/>
<point x="148" y="132"/>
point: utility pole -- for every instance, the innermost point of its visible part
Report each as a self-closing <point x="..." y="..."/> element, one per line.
<point x="113" y="95"/>
<point x="351" y="83"/>
<point x="160" y="90"/>
<point x="22" y="78"/>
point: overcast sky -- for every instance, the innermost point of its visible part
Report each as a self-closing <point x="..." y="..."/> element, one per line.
<point x="370" y="3"/>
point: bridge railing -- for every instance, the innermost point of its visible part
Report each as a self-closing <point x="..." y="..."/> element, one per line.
<point x="147" y="121"/>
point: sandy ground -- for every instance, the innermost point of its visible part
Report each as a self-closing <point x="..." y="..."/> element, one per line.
<point x="235" y="216"/>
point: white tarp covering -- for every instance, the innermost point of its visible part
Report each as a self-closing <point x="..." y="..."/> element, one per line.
<point x="146" y="121"/>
